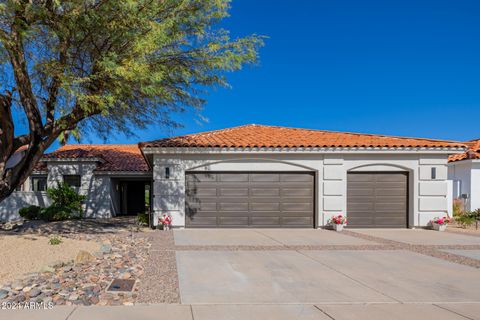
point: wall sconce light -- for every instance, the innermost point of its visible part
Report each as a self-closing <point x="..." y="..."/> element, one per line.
<point x="167" y="173"/>
<point x="434" y="173"/>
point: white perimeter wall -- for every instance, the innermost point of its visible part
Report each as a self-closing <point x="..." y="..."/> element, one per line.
<point x="428" y="198"/>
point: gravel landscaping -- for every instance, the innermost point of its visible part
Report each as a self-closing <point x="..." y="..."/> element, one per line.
<point x="31" y="253"/>
<point x="116" y="253"/>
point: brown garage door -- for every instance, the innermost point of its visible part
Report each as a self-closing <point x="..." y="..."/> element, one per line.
<point x="377" y="200"/>
<point x="249" y="199"/>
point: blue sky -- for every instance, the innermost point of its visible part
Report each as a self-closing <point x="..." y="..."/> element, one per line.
<point x="409" y="68"/>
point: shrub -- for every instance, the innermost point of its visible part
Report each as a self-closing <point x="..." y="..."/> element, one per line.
<point x="55" y="240"/>
<point x="65" y="197"/>
<point x="468" y="218"/>
<point x="142" y="219"/>
<point x="465" y="219"/>
<point x="30" y="212"/>
<point x="54" y="213"/>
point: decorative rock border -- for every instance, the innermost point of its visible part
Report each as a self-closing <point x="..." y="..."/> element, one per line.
<point x="123" y="256"/>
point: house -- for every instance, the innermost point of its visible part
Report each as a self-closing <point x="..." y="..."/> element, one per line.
<point x="258" y="176"/>
<point x="464" y="171"/>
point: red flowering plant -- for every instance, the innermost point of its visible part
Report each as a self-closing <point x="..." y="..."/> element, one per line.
<point x="338" y="220"/>
<point x="166" y="220"/>
<point x="442" y="221"/>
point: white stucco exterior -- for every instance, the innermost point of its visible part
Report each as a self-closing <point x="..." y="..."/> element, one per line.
<point x="465" y="177"/>
<point x="428" y="197"/>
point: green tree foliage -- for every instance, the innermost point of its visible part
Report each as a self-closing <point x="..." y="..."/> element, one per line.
<point x="76" y="65"/>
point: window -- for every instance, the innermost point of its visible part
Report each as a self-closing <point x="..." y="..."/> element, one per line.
<point x="72" y="180"/>
<point x="39" y="183"/>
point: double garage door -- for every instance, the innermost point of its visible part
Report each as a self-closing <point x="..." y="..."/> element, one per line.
<point x="279" y="199"/>
<point x="249" y="199"/>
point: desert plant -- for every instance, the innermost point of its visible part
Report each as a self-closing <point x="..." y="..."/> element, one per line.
<point x="55" y="240"/>
<point x="457" y="207"/>
<point x="142" y="219"/>
<point x="30" y="212"/>
<point x="465" y="219"/>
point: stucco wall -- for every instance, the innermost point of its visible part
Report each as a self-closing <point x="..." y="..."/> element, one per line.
<point x="465" y="176"/>
<point x="428" y="198"/>
<point x="96" y="188"/>
<point x="19" y="199"/>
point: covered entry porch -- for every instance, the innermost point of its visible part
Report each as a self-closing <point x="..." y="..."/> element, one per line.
<point x="131" y="196"/>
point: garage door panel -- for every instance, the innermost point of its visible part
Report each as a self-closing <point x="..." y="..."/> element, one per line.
<point x="203" y="206"/>
<point x="377" y="200"/>
<point x="300" y="221"/>
<point x="203" y="221"/>
<point x="292" y="207"/>
<point x="233" y="192"/>
<point x="390" y="178"/>
<point x="264" y="177"/>
<point x="389" y="207"/>
<point x="391" y="192"/>
<point x="353" y="192"/>
<point x="200" y="177"/>
<point x="264" y="192"/>
<point x="233" y="206"/>
<point x="250" y="199"/>
<point x="299" y="177"/>
<point x="297" y="192"/>
<point x="360" y="178"/>
<point x="265" y="220"/>
<point x="242" y="220"/>
<point x="267" y="206"/>
<point x="232" y="177"/>
<point x="201" y="192"/>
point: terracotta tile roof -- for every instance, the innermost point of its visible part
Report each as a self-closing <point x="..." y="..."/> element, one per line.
<point x="251" y="136"/>
<point x="473" y="152"/>
<point x="116" y="157"/>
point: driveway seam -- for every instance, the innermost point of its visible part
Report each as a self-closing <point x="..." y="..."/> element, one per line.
<point x="71" y="312"/>
<point x="263" y="234"/>
<point x="454" y="312"/>
<point x="349" y="277"/>
<point x="323" y="311"/>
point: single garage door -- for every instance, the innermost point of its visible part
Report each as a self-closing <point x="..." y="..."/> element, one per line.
<point x="377" y="200"/>
<point x="249" y="199"/>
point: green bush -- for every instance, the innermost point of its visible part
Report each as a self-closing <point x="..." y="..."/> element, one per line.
<point x="30" y="212"/>
<point x="465" y="220"/>
<point x="468" y="218"/>
<point x="142" y="219"/>
<point x="65" y="197"/>
<point x="54" y="213"/>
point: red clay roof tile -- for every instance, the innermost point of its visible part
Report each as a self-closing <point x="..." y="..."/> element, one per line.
<point x="473" y="152"/>
<point x="117" y="157"/>
<point x="260" y="136"/>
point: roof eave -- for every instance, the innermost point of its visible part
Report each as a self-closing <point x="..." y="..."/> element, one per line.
<point x="376" y="150"/>
<point x="88" y="159"/>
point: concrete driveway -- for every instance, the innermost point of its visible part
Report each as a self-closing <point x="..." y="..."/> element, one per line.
<point x="273" y="270"/>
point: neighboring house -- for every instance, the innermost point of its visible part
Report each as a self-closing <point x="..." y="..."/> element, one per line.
<point x="464" y="171"/>
<point x="261" y="176"/>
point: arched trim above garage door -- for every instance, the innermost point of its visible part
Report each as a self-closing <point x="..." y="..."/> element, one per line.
<point x="251" y="164"/>
<point x="380" y="168"/>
